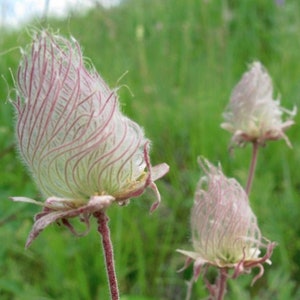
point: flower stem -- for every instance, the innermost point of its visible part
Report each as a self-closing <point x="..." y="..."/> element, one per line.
<point x="104" y="231"/>
<point x="222" y="283"/>
<point x="252" y="167"/>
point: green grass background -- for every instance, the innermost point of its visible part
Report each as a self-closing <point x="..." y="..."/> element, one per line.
<point x="183" y="58"/>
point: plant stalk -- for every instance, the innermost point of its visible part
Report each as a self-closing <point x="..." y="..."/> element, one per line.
<point x="104" y="231"/>
<point x="252" y="168"/>
<point x="222" y="283"/>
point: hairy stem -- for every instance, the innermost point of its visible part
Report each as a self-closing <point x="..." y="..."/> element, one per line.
<point x="252" y="167"/>
<point x="104" y="231"/>
<point x="222" y="283"/>
<point x="189" y="288"/>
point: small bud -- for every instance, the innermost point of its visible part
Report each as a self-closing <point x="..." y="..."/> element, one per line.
<point x="225" y="233"/>
<point x="72" y="135"/>
<point x="252" y="115"/>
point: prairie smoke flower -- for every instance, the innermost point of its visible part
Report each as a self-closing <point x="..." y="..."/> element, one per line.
<point x="225" y="233"/>
<point x="82" y="152"/>
<point x="252" y="115"/>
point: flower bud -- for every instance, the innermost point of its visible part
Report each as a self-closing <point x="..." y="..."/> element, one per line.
<point x="71" y="133"/>
<point x="225" y="233"/>
<point x="252" y="115"/>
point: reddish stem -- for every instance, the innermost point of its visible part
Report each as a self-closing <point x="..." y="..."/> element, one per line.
<point x="104" y="231"/>
<point x="222" y="283"/>
<point x="252" y="167"/>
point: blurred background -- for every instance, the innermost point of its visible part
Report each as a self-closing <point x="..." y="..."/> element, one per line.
<point x="181" y="59"/>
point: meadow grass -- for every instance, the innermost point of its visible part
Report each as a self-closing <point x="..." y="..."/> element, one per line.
<point x="183" y="59"/>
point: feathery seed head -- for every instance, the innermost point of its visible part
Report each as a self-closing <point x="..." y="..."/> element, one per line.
<point x="72" y="135"/>
<point x="225" y="233"/>
<point x="252" y="114"/>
